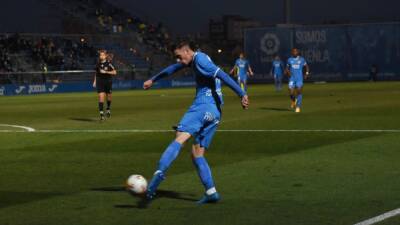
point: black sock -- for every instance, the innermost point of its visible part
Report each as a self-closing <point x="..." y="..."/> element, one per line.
<point x="108" y="105"/>
<point x="101" y="106"/>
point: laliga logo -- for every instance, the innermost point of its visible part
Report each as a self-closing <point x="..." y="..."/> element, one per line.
<point x="270" y="44"/>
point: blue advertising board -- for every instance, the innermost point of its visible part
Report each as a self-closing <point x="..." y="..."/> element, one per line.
<point x="344" y="52"/>
<point x="28" y="89"/>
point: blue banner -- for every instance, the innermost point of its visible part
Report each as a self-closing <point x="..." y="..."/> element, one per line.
<point x="332" y="52"/>
<point x="10" y="89"/>
<point x="325" y="50"/>
<point x="375" y="45"/>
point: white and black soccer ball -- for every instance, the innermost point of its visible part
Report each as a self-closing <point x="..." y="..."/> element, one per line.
<point x="137" y="184"/>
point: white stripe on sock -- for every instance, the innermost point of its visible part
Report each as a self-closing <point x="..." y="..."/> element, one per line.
<point x="211" y="191"/>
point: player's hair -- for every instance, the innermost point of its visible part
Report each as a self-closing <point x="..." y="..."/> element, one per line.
<point x="102" y="51"/>
<point x="183" y="44"/>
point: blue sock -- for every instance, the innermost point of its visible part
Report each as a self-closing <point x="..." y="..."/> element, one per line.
<point x="204" y="172"/>
<point x="165" y="162"/>
<point x="169" y="156"/>
<point x="299" y="100"/>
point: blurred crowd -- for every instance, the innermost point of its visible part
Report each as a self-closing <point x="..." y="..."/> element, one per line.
<point x="116" y="20"/>
<point x="18" y="53"/>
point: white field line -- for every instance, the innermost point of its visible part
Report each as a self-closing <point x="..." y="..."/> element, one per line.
<point x="28" y="129"/>
<point x="380" y="218"/>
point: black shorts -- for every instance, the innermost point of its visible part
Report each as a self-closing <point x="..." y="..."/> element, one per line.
<point x="104" y="85"/>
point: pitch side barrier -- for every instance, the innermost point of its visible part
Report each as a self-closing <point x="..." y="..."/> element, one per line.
<point x="48" y="88"/>
<point x="29" y="83"/>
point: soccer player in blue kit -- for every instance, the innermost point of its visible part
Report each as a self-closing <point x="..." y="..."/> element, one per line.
<point x="242" y="68"/>
<point x="200" y="121"/>
<point x="277" y="71"/>
<point x="294" y="70"/>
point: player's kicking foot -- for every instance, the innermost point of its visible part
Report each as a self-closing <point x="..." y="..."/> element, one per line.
<point x="298" y="110"/>
<point x="108" y="113"/>
<point x="154" y="183"/>
<point x="213" y="198"/>
<point x="102" y="118"/>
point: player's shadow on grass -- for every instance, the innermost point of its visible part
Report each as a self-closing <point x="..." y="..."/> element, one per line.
<point x="9" y="198"/>
<point x="275" y="109"/>
<point x="143" y="203"/>
<point x="90" y="120"/>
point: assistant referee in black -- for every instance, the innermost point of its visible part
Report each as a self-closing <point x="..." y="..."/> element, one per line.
<point x="105" y="72"/>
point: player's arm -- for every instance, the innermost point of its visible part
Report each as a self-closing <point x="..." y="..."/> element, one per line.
<point x="233" y="70"/>
<point x="307" y="74"/>
<point x="234" y="86"/>
<point x="209" y="69"/>
<point x="164" y="73"/>
<point x="94" y="80"/>
<point x="111" y="72"/>
<point x="287" y="70"/>
<point x="251" y="73"/>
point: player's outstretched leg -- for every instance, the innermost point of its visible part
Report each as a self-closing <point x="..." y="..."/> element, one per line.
<point x="204" y="172"/>
<point x="169" y="155"/>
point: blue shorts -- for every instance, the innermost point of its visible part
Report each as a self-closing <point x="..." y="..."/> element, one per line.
<point x="295" y="83"/>
<point x="201" y="121"/>
<point x="242" y="79"/>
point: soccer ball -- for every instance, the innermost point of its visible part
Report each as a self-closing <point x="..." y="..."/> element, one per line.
<point x="137" y="184"/>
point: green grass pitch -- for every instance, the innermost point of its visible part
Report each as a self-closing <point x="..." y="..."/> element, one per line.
<point x="274" y="178"/>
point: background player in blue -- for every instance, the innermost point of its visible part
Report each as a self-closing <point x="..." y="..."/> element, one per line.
<point x="277" y="71"/>
<point x="242" y="68"/>
<point x="200" y="121"/>
<point x="294" y="70"/>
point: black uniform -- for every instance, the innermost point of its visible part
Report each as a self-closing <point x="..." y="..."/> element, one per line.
<point x="104" y="81"/>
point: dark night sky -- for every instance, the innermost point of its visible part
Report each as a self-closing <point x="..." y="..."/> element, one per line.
<point x="192" y="15"/>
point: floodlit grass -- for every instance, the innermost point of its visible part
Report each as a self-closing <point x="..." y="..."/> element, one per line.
<point x="274" y="178"/>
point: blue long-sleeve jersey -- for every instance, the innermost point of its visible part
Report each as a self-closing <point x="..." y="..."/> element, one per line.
<point x="208" y="79"/>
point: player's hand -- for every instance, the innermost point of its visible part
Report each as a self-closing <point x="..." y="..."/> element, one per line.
<point x="148" y="84"/>
<point x="94" y="84"/>
<point x="307" y="75"/>
<point x="245" y="102"/>
<point x="103" y="71"/>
